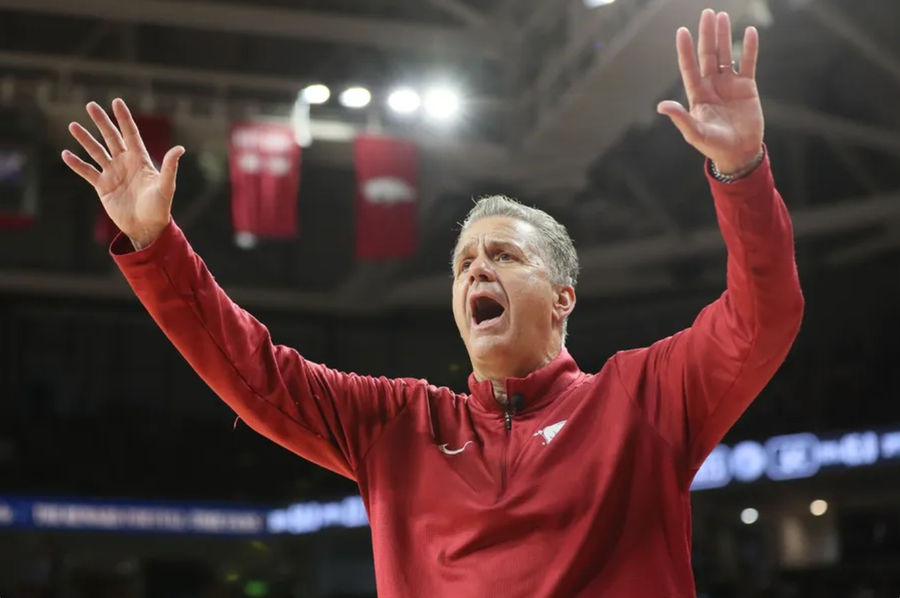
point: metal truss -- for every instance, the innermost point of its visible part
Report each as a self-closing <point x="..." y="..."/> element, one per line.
<point x="275" y="22"/>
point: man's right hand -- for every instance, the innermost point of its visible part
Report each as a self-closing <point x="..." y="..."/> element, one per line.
<point x="137" y="197"/>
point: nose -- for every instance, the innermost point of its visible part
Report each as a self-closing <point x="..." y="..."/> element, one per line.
<point x="481" y="270"/>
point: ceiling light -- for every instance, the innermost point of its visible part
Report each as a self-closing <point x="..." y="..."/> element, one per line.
<point x="316" y="94"/>
<point x="404" y="100"/>
<point x="355" y="97"/>
<point x="441" y="103"/>
<point x="749" y="516"/>
<point x="818" y="507"/>
<point x="597" y="3"/>
<point x="245" y="240"/>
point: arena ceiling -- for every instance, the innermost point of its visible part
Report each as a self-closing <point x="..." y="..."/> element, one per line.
<point x="560" y="112"/>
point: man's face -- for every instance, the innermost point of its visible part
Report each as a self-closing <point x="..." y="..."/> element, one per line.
<point x="503" y="299"/>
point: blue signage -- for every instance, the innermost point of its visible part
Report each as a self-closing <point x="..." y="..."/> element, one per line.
<point x="309" y="517"/>
<point x="120" y="516"/>
<point x="794" y="456"/>
<point x="171" y="518"/>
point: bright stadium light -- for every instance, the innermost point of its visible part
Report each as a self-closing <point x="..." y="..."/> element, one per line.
<point x="749" y="516"/>
<point x="355" y="97"/>
<point x="441" y="103"/>
<point x="597" y="3"/>
<point x="316" y="94"/>
<point x="818" y="507"/>
<point x="404" y="100"/>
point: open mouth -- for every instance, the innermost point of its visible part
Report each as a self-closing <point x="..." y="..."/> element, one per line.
<point x="485" y="310"/>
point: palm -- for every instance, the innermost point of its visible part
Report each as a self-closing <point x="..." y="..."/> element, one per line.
<point x="724" y="121"/>
<point x="129" y="188"/>
<point x="137" y="196"/>
<point x="729" y="114"/>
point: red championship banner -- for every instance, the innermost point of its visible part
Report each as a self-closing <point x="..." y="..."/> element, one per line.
<point x="156" y="131"/>
<point x="387" y="190"/>
<point x="264" y="162"/>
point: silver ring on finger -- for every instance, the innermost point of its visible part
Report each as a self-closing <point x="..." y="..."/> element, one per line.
<point x="728" y="67"/>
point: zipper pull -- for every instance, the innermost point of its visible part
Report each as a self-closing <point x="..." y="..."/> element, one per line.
<point x="513" y="406"/>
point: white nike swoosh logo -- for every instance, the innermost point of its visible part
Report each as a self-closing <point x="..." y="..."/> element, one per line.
<point x="448" y="451"/>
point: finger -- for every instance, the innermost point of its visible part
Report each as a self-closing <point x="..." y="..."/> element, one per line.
<point x="81" y="168"/>
<point x="687" y="62"/>
<point x="681" y="118"/>
<point x="706" y="43"/>
<point x="750" y="53"/>
<point x="723" y="40"/>
<point x="169" y="169"/>
<point x="109" y="131"/>
<point x="127" y="125"/>
<point x="90" y="145"/>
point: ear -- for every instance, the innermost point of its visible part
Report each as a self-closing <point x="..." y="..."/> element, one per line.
<point x="563" y="302"/>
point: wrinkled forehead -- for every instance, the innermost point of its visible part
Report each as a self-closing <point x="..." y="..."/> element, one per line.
<point x="496" y="230"/>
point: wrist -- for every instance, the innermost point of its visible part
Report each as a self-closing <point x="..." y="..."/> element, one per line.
<point x="146" y="238"/>
<point x="727" y="171"/>
<point x="138" y="245"/>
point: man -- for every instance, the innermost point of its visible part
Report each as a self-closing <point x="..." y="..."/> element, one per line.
<point x="544" y="481"/>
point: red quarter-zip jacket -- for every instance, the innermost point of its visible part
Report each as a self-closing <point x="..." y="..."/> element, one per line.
<point x="585" y="494"/>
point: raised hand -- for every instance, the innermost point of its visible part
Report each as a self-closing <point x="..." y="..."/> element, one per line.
<point x="724" y="121"/>
<point x="137" y="197"/>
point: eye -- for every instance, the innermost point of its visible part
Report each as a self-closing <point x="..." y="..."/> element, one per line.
<point x="504" y="257"/>
<point x="464" y="265"/>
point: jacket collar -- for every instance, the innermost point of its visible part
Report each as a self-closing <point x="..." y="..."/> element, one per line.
<point x="539" y="388"/>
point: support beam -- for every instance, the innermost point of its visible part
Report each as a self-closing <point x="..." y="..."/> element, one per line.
<point x="92" y="39"/>
<point x="461" y="11"/>
<point x="542" y="14"/>
<point x="886" y="242"/>
<point x="216" y="81"/>
<point x="854" y="164"/>
<point x="849" y="215"/>
<point x="811" y="122"/>
<point x="842" y="26"/>
<point x="648" y="199"/>
<point x="503" y="13"/>
<point x="608" y="77"/>
<point x="272" y="22"/>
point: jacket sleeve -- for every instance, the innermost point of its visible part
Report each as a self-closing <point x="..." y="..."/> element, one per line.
<point x="694" y="385"/>
<point x="328" y="417"/>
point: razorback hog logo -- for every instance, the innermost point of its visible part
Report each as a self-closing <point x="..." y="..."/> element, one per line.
<point x="388" y="190"/>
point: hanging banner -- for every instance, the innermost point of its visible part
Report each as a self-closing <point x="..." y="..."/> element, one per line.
<point x="387" y="194"/>
<point x="264" y="163"/>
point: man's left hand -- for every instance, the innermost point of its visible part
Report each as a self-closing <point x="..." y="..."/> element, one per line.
<point x="725" y="120"/>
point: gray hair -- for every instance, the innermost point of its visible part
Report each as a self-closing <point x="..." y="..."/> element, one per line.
<point x="554" y="243"/>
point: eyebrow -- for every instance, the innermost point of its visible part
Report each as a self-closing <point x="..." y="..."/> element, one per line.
<point x="491" y="243"/>
<point x="461" y="250"/>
